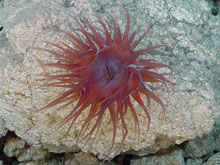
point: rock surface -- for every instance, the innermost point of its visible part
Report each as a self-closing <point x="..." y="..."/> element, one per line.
<point x="32" y="154"/>
<point x="174" y="158"/>
<point x="214" y="160"/>
<point x="191" y="109"/>
<point x="13" y="147"/>
<point x="82" y="159"/>
<point x="194" y="161"/>
<point x="216" y="133"/>
<point x="16" y="147"/>
<point x="3" y="129"/>
<point x="25" y="154"/>
<point x="199" y="147"/>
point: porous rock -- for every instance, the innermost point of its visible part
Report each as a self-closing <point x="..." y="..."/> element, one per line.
<point x="216" y="133"/>
<point x="215" y="159"/>
<point x="3" y="129"/>
<point x="82" y="158"/>
<point x="199" y="147"/>
<point x="174" y="158"/>
<point x="197" y="161"/>
<point x="32" y="154"/>
<point x="13" y="147"/>
<point x="190" y="109"/>
<point x="44" y="162"/>
<point x="16" y="147"/>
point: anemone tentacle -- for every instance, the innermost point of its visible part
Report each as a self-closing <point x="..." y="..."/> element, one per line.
<point x="101" y="75"/>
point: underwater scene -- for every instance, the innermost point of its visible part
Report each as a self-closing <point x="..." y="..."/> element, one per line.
<point x="112" y="82"/>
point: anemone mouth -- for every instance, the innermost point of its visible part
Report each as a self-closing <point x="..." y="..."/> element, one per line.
<point x="101" y="75"/>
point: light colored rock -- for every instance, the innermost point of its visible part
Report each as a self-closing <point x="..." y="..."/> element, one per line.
<point x="44" y="162"/>
<point x="82" y="159"/>
<point x="214" y="160"/>
<point x="108" y="163"/>
<point x="16" y="147"/>
<point x="13" y="147"/>
<point x="72" y="161"/>
<point x="174" y="158"/>
<point x="3" y="129"/>
<point x="191" y="109"/>
<point x="216" y="133"/>
<point x="86" y="159"/>
<point x="32" y="154"/>
<point x="1" y="16"/>
<point x="197" y="161"/>
<point x="200" y="146"/>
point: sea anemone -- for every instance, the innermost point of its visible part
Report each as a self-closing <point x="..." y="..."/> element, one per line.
<point x="103" y="73"/>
